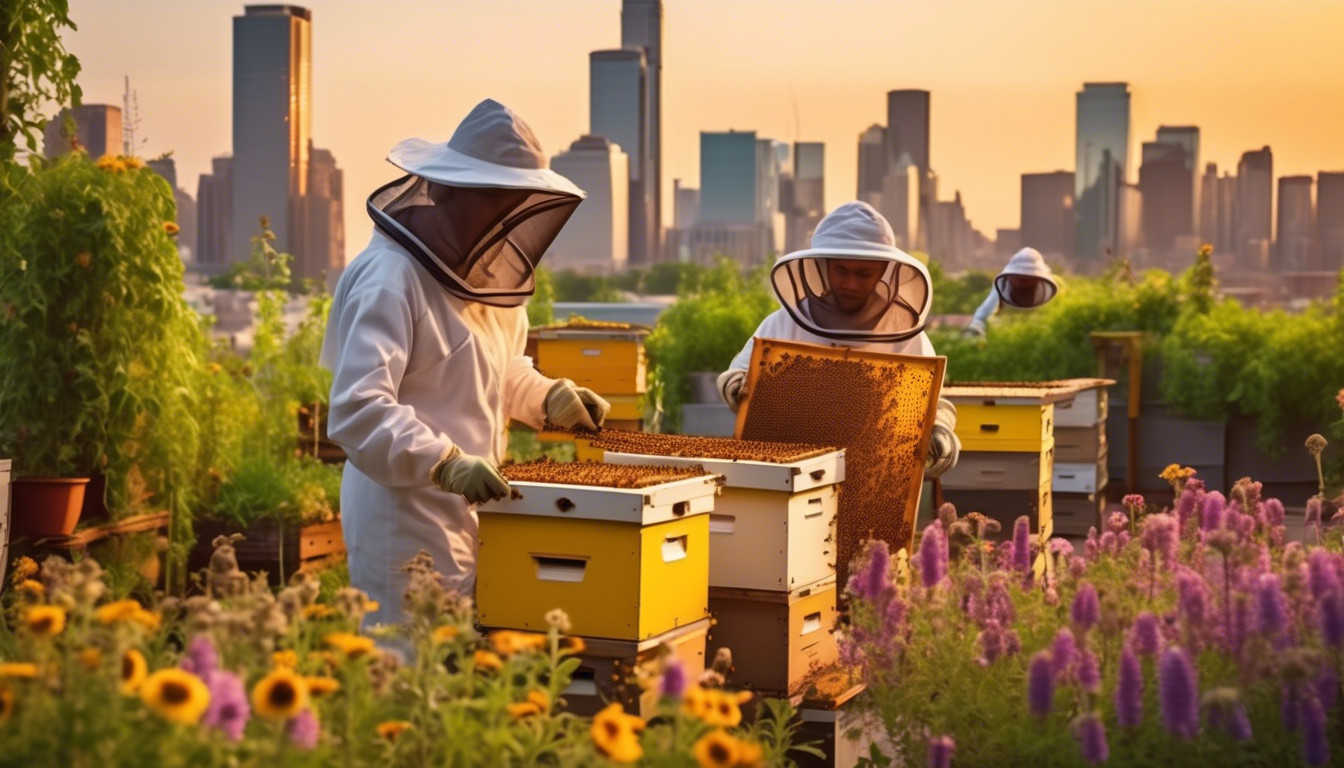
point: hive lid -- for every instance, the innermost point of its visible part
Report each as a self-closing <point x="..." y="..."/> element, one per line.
<point x="582" y="328"/>
<point x="620" y="649"/>
<point x="1022" y="392"/>
<point x="658" y="503"/>
<point x="790" y="477"/>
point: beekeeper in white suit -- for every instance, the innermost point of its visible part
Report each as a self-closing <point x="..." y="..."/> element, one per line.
<point x="1026" y="282"/>
<point x="425" y="342"/>
<point x="853" y="287"/>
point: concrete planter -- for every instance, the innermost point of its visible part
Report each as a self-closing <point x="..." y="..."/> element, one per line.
<point x="1291" y="477"/>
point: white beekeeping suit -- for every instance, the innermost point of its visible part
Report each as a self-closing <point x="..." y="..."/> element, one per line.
<point x="853" y="287"/>
<point x="1026" y="282"/>
<point x="425" y="342"/>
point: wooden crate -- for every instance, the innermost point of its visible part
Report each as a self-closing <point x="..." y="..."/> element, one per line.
<point x="612" y="670"/>
<point x="776" y="637"/>
<point x="1074" y="513"/>
<point x="1006" y="506"/>
<point x="773" y="526"/>
<point x="1008" y="470"/>
<point x="306" y="547"/>
<point x="1078" y="445"/>
<point x="625" y="564"/>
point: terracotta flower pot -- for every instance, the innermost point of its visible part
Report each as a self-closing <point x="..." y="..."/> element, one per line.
<point x="47" y="506"/>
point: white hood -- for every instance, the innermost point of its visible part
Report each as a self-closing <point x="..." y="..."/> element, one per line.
<point x="1038" y="287"/>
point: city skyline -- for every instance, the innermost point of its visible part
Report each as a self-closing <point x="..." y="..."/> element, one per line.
<point x="995" y="113"/>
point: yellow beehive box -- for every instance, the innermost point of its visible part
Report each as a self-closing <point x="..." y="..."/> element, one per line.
<point x="609" y="361"/>
<point x="624" y="563"/>
<point x="624" y="408"/>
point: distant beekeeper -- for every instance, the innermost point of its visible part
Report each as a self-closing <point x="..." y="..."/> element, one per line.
<point x="853" y="287"/>
<point x="1026" y="282"/>
<point x="425" y="342"/>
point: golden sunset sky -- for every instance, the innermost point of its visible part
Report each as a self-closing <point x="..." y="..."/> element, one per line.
<point x="1003" y="74"/>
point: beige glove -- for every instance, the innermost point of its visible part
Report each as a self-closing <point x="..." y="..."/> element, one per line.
<point x="574" y="407"/>
<point x="730" y="384"/>
<point x="944" y="445"/>
<point x="473" y="477"/>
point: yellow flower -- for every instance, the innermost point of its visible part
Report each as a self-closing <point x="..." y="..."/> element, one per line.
<point x="24" y="568"/>
<point x="280" y="695"/>
<point x="573" y="645"/>
<point x="132" y="161"/>
<point x="323" y="657"/>
<point x="317" y="611"/>
<point x="695" y="702"/>
<point x="214" y="368"/>
<point x="134" y="668"/>
<point x="540" y="698"/>
<point x="147" y="619"/>
<point x="6" y="703"/>
<point x="177" y="695"/>
<point x="521" y="709"/>
<point x="721" y="709"/>
<point x="750" y="755"/>
<point x="285" y="658"/>
<point x="613" y="733"/>
<point x="717" y="749"/>
<point x="18" y="669"/>
<point x="91" y="658"/>
<point x="44" y="620"/>
<point x="121" y="610"/>
<point x="84" y="259"/>
<point x="319" y="687"/>
<point x="371" y="606"/>
<point x="444" y="634"/>
<point x="486" y="660"/>
<point x="353" y="646"/>
<point x="507" y="642"/>
<point x="391" y="729"/>
<point x="31" y="587"/>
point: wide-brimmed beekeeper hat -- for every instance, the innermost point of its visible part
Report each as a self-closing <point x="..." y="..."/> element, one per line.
<point x="899" y="306"/>
<point x="479" y="210"/>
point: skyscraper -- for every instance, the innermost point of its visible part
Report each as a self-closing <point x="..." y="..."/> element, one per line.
<point x="899" y="203"/>
<point x="908" y="127"/>
<point x="1208" y="205"/>
<point x="618" y="109"/>
<point x="97" y="128"/>
<point x="323" y="255"/>
<point x="1187" y="138"/>
<point x="1330" y="219"/>
<point x="597" y="236"/>
<point x="872" y="164"/>
<point x="272" y="125"/>
<point x="642" y="28"/>
<point x="186" y="207"/>
<point x="214" y="217"/>
<point x="739" y="182"/>
<point x="1167" y="185"/>
<point x="808" y="203"/>
<point x="1047" y="221"/>
<point x="1255" y="208"/>
<point x="1297" y="226"/>
<point x="1102" y="167"/>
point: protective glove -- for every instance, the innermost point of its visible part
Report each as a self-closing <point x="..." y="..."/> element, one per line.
<point x="944" y="445"/>
<point x="976" y="330"/>
<point x="574" y="407"/>
<point x="730" y="387"/>
<point x="473" y="477"/>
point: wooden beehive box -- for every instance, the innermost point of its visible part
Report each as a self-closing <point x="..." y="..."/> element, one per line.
<point x="773" y="523"/>
<point x="605" y="357"/>
<point x="777" y="638"/>
<point x="625" y="563"/>
<point x="1004" y="470"/>
<point x="1019" y="416"/>
<point x="620" y="670"/>
<point x="879" y="408"/>
<point x="1074" y="513"/>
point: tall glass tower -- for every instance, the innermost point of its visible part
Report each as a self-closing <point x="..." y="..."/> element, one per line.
<point x="1102" y="167"/>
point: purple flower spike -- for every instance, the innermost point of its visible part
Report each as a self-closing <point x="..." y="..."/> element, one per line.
<point x="1227" y="713"/>
<point x="1178" y="685"/>
<point x="1086" y="607"/>
<point x="1313" y="518"/>
<point x="1332" y="619"/>
<point x="1269" y="604"/>
<point x="1321" y="573"/>
<point x="1161" y="536"/>
<point x="1315" y="744"/>
<point x="1212" y="518"/>
<point x="933" y="555"/>
<point x="940" y="751"/>
<point x="1091" y="545"/>
<point x="201" y="658"/>
<point x="1077" y="567"/>
<point x="1129" y="690"/>
<point x="871" y="578"/>
<point x="1145" y="636"/>
<point x="1274" y="513"/>
<point x="1040" y="685"/>
<point x="1063" y="652"/>
<point x="1089" y="672"/>
<point x="674" y="679"/>
<point x="1117" y="522"/>
<point x="303" y="730"/>
<point x="1022" y="545"/>
<point x="1189" y="502"/>
<point x="1109" y="543"/>
<point x="228" y="710"/>
<point x="1091" y="735"/>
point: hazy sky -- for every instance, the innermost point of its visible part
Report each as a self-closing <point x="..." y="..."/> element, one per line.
<point x="1002" y="75"/>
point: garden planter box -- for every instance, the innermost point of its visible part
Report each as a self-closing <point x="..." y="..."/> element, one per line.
<point x="1166" y="438"/>
<point x="326" y="449"/>
<point x="5" y="465"/>
<point x="610" y="670"/>
<point x="1079" y="445"/>
<point x="1006" y="506"/>
<point x="608" y="361"/>
<point x="776" y="637"/>
<point x="1085" y="477"/>
<point x="773" y="525"/>
<point x="1074" y="513"/>
<point x="305" y="546"/>
<point x="1006" y="470"/>
<point x="625" y="564"/>
<point x="1291" y="477"/>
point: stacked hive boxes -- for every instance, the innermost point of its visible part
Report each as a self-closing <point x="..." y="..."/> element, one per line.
<point x="772" y="587"/>
<point x="607" y="358"/>
<point x="1080" y="475"/>
<point x="623" y="550"/>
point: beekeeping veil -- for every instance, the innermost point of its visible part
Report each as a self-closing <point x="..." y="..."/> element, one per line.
<point x="899" y="304"/>
<point x="1026" y="281"/>
<point x="479" y="211"/>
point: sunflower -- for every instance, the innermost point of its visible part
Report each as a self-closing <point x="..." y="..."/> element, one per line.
<point x="280" y="695"/>
<point x="521" y="709"/>
<point x="317" y="611"/>
<point x="351" y="645"/>
<point x="44" y="620"/>
<point x="391" y="729"/>
<point x="444" y="634"/>
<point x="321" y="686"/>
<point x="285" y="658"/>
<point x="132" y="162"/>
<point x="147" y="619"/>
<point x="91" y="658"/>
<point x="18" y="669"/>
<point x="486" y="660"/>
<point x="133" y="671"/>
<point x="508" y="642"/>
<point x="695" y="702"/>
<point x="750" y="755"/>
<point x="177" y="695"/>
<point x="121" y="610"/>
<point x="613" y="733"/>
<point x="6" y="703"/>
<point x="721" y="709"/>
<point x="540" y="698"/>
<point x="717" y="749"/>
<point x="30" y="587"/>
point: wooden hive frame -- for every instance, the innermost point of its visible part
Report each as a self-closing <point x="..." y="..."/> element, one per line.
<point x="791" y="395"/>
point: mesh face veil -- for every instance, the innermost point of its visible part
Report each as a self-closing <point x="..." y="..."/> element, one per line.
<point x="1026" y="281"/>
<point x="894" y="309"/>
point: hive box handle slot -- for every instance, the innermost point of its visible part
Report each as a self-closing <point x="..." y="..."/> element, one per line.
<point x="989" y="427"/>
<point x="553" y="568"/>
<point x="583" y="683"/>
<point x="592" y="352"/>
<point x="811" y="512"/>
<point x="811" y="623"/>
<point x="674" y="548"/>
<point x="818" y="474"/>
<point x="722" y="523"/>
<point x="680" y="508"/>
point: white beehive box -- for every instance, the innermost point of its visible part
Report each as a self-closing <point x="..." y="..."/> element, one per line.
<point x="773" y="526"/>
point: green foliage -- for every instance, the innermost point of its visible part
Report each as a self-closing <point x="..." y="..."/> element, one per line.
<point x="93" y="306"/>
<point x="540" y="308"/>
<point x="573" y="286"/>
<point x="958" y="295"/>
<point x="524" y="446"/>
<point x="718" y="310"/>
<point x="297" y="490"/>
<point x="35" y="69"/>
